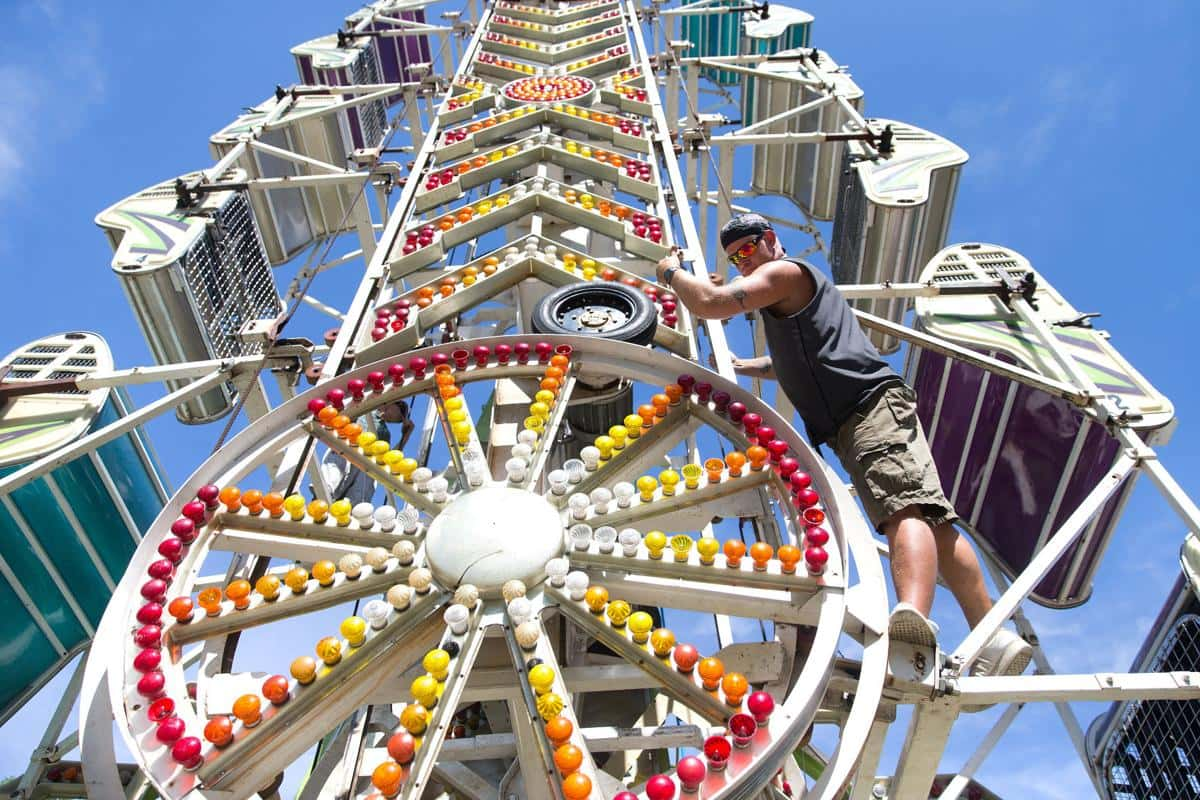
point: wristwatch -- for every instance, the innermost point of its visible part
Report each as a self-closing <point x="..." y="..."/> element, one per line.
<point x="668" y="274"/>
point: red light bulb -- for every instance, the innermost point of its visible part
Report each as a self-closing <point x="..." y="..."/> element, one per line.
<point x="690" y="771"/>
<point x="760" y="705"/>
<point x="188" y="752"/>
<point x="660" y="787"/>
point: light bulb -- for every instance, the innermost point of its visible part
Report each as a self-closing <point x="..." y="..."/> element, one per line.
<point x="522" y="451"/>
<point x="600" y="498"/>
<point x="363" y="514"/>
<point x="527" y="634"/>
<point x="640" y="624"/>
<point x="681" y="546"/>
<point x="708" y="547"/>
<point x="421" y="477"/>
<point x="605" y="445"/>
<point x="623" y="492"/>
<point x="376" y="612"/>
<point x="578" y="503"/>
<point x="629" y="540"/>
<point x="466" y="595"/>
<point x="520" y="610"/>
<point x="575" y="469"/>
<point x="576" y="584"/>
<point x="669" y="479"/>
<point x="376" y="558"/>
<point x="581" y="537"/>
<point x="556" y="570"/>
<point x="512" y="589"/>
<point x="646" y="486"/>
<point x="655" y="542"/>
<point x="476" y="473"/>
<point x="456" y="617"/>
<point x="351" y="564"/>
<point x="408" y="517"/>
<point x="385" y="518"/>
<point x="527" y="437"/>
<point x="606" y="537"/>
<point x="516" y="468"/>
<point x="354" y="629"/>
<point x="404" y="551"/>
<point x="591" y="457"/>
<point x="420" y="579"/>
<point x="400" y="596"/>
<point x="438" y="488"/>
<point x="557" y="479"/>
<point x="691" y="475"/>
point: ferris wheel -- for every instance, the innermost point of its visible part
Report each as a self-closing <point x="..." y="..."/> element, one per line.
<point x="515" y="538"/>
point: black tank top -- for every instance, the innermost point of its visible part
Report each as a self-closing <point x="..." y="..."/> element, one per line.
<point x="824" y="362"/>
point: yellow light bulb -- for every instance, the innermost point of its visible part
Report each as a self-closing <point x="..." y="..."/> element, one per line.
<point x="457" y="416"/>
<point x="535" y="424"/>
<point x="329" y="650"/>
<point x="391" y="459"/>
<point x="605" y="445"/>
<point x="318" y="510"/>
<point x="425" y="690"/>
<point x="407" y="467"/>
<point x="618" y="434"/>
<point x="294" y="505"/>
<point x="681" y="546"/>
<point x="655" y="541"/>
<point x="304" y="670"/>
<point x="414" y="719"/>
<point x="437" y="663"/>
<point x="662" y="640"/>
<point x="549" y="706"/>
<point x="354" y="630"/>
<point x="367" y="440"/>
<point x="296" y="579"/>
<point x="462" y="432"/>
<point x="646" y="486"/>
<point x="691" y="475"/>
<point x="454" y="403"/>
<point x="596" y="597"/>
<point x="539" y="410"/>
<point x="544" y="396"/>
<point x="618" y="612"/>
<point x="633" y="426"/>
<point x="324" y="571"/>
<point x="378" y="450"/>
<point x="669" y="479"/>
<point x="640" y="624"/>
<point x="541" y="678"/>
<point x="707" y="547"/>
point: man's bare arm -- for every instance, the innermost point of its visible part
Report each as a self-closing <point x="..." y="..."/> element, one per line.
<point x="760" y="367"/>
<point x="766" y="286"/>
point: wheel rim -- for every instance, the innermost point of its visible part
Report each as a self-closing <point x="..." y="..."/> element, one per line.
<point x="405" y="637"/>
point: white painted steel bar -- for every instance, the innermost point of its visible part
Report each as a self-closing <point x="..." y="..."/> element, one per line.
<point x="1100" y="687"/>
<point x="964" y="776"/>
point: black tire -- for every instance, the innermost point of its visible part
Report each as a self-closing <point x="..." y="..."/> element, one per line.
<point x="616" y="311"/>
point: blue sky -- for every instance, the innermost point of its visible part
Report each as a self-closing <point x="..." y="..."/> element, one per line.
<point x="1077" y="117"/>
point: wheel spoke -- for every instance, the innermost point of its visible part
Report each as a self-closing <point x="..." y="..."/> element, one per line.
<point x="352" y="535"/>
<point x="683" y="499"/>
<point x="639" y="454"/>
<point x="286" y="731"/>
<point x="684" y="687"/>
<point x="458" y="445"/>
<point x="545" y="442"/>
<point x="390" y="482"/>
<point x="429" y="746"/>
<point x="287" y="604"/>
<point x="542" y="650"/>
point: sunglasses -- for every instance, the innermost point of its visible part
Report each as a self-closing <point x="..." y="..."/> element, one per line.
<point x="745" y="251"/>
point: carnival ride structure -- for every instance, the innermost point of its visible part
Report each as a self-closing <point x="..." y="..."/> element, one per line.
<point x="524" y="543"/>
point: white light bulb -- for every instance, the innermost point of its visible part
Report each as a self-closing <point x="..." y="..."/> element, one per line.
<point x="421" y="477"/>
<point x="601" y="497"/>
<point x="629" y="539"/>
<point x="527" y="437"/>
<point x="400" y="596"/>
<point x="466" y="595"/>
<point x="476" y="473"/>
<point x="527" y="634"/>
<point x="591" y="457"/>
<point x="404" y="551"/>
<point x="557" y="478"/>
<point x="438" y="488"/>
<point x="376" y="558"/>
<point x="409" y="518"/>
<point x="576" y="584"/>
<point x="523" y="452"/>
<point x="581" y="536"/>
<point x="551" y="251"/>
<point x="556" y="570"/>
<point x="457" y="617"/>
<point x="624" y="492"/>
<point x="578" y="503"/>
<point x="420" y="579"/>
<point x="385" y="518"/>
<point x="575" y="469"/>
<point x="531" y="246"/>
<point x="351" y="564"/>
<point x="376" y="612"/>
<point x="519" y="610"/>
<point x="538" y="184"/>
<point x="605" y="536"/>
<point x="363" y="514"/>
<point x="515" y="468"/>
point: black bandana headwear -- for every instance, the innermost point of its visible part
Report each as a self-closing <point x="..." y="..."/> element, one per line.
<point x="743" y="225"/>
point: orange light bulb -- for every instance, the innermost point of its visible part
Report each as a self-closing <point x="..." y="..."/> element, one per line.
<point x="789" y="556"/>
<point x="734" y="550"/>
<point x="248" y="708"/>
<point x="710" y="670"/>
<point x="761" y="553"/>
<point x="734" y="685"/>
<point x="239" y="593"/>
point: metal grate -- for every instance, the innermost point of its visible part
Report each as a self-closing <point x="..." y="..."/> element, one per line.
<point x="32" y="361"/>
<point x="60" y="374"/>
<point x="1154" y="753"/>
<point x="372" y="116"/>
<point x="47" y="348"/>
<point x="230" y="279"/>
<point x="849" y="230"/>
<point x="80" y="362"/>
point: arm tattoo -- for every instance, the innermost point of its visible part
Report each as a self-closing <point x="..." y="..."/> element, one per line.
<point x="740" y="296"/>
<point x="765" y="368"/>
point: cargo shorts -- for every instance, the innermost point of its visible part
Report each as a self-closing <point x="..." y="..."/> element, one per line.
<point x="883" y="448"/>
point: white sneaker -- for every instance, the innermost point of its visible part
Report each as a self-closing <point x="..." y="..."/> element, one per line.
<point x="1006" y="654"/>
<point x="907" y="624"/>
